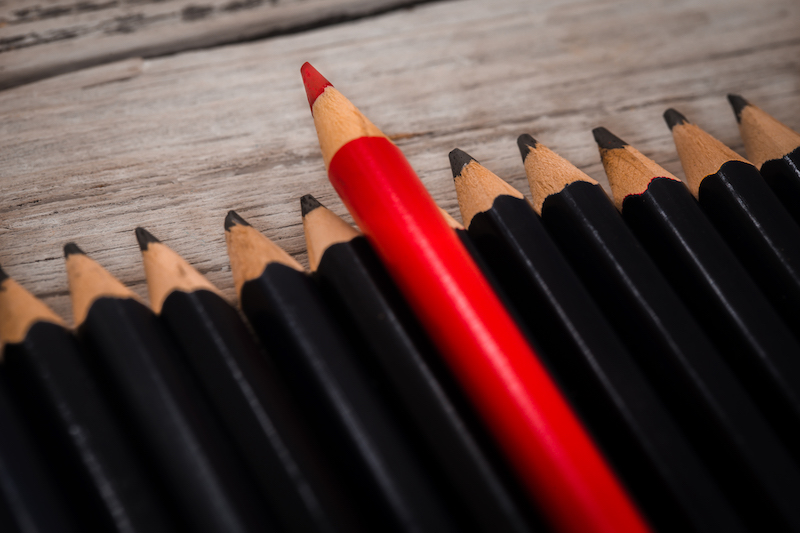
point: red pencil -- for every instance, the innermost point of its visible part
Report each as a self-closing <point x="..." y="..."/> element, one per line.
<point x="552" y="453"/>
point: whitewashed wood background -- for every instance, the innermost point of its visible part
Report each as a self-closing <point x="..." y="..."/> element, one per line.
<point x="172" y="143"/>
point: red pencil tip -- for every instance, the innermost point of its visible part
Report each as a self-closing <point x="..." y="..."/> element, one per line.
<point x="314" y="81"/>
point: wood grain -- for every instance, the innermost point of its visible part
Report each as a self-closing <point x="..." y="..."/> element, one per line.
<point x="172" y="143"/>
<point x="42" y="38"/>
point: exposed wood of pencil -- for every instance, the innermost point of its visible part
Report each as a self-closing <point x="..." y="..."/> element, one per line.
<point x="19" y="310"/>
<point x="88" y="281"/>
<point x="548" y="173"/>
<point x="628" y="170"/>
<point x="476" y="186"/>
<point x="764" y="137"/>
<point x="166" y="271"/>
<point x="452" y="222"/>
<point x="701" y="154"/>
<point x="250" y="251"/>
<point x="324" y="229"/>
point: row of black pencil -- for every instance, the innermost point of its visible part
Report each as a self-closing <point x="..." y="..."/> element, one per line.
<point x="672" y="329"/>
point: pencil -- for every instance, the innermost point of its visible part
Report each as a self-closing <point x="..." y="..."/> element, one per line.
<point x="362" y="294"/>
<point x="743" y="209"/>
<point x="133" y="356"/>
<point x="761" y="477"/>
<point x="300" y="335"/>
<point x="599" y="375"/>
<point x="550" y="450"/>
<point x="774" y="149"/>
<point x="246" y="393"/>
<point x="93" y="463"/>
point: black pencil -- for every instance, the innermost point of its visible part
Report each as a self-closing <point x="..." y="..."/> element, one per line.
<point x="299" y="333"/>
<point x="578" y="344"/>
<point x="245" y="392"/>
<point x="135" y="359"/>
<point x="743" y="209"/>
<point x="96" y="469"/>
<point x="404" y="360"/>
<point x="774" y="149"/>
<point x="29" y="499"/>
<point x="670" y="225"/>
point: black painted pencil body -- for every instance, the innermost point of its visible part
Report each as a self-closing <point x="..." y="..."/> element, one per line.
<point x="288" y="314"/>
<point x="135" y="358"/>
<point x="361" y="292"/>
<point x="774" y="149"/>
<point x="600" y="377"/>
<point x="753" y="467"/>
<point x="245" y="392"/>
<point x="29" y="500"/>
<point x="743" y="209"/>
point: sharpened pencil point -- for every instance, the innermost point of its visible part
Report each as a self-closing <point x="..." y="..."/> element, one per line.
<point x="308" y="203"/>
<point x="458" y="160"/>
<point x="3" y="275"/>
<point x="314" y="82"/>
<point x="738" y="104"/>
<point x="526" y="143"/>
<point x="71" y="249"/>
<point x="145" y="238"/>
<point x="673" y="118"/>
<point x="233" y="219"/>
<point x="607" y="140"/>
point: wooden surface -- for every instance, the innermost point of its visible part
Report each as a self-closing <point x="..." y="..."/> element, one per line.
<point x="43" y="38"/>
<point x="173" y="143"/>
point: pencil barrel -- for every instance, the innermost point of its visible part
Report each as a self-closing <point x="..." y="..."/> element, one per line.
<point x="783" y="177"/>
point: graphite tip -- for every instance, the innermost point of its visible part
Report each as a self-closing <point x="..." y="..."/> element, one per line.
<point x="607" y="140"/>
<point x="526" y="143"/>
<point x="315" y="83"/>
<point x="308" y="203"/>
<point x="738" y="104"/>
<point x="71" y="249"/>
<point x="145" y="238"/>
<point x="673" y="118"/>
<point x="233" y="219"/>
<point x="3" y="275"/>
<point x="458" y="160"/>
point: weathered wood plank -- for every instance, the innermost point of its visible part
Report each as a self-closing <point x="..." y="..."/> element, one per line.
<point x="42" y="38"/>
<point x="173" y="143"/>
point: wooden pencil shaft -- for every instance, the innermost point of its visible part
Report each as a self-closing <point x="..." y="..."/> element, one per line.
<point x="97" y="469"/>
<point x="29" y="500"/>
<point x="783" y="177"/>
<point x="289" y="316"/>
<point x="760" y="232"/>
<point x="136" y="361"/>
<point x="256" y="411"/>
<point x="669" y="224"/>
<point x="597" y="373"/>
<point x="356" y="283"/>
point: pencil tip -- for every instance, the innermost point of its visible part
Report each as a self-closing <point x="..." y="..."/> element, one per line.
<point x="314" y="82"/>
<point x="738" y="104"/>
<point x="3" y="275"/>
<point x="145" y="238"/>
<point x="458" y="160"/>
<point x="526" y="143"/>
<point x="233" y="219"/>
<point x="607" y="140"/>
<point x="71" y="249"/>
<point x="308" y="203"/>
<point x="673" y="118"/>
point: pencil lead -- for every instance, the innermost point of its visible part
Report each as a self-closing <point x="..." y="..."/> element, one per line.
<point x="144" y="238"/>
<point x="607" y="140"/>
<point x="71" y="248"/>
<point x="323" y="228"/>
<point x="308" y="203"/>
<point x="526" y="143"/>
<point x="738" y="104"/>
<point x="233" y="219"/>
<point x="315" y="83"/>
<point x="3" y="275"/>
<point x="458" y="160"/>
<point x="673" y="118"/>
<point x="477" y="187"/>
